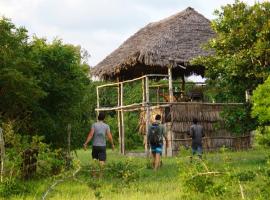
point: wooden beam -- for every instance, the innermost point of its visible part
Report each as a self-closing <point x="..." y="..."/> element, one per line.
<point x="170" y="83"/>
<point x="169" y="124"/>
<point x="119" y="115"/>
<point x="147" y="117"/>
<point x="97" y="89"/>
<point x="122" y="118"/>
<point x="135" y="79"/>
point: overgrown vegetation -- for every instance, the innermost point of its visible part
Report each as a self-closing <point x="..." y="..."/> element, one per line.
<point x="240" y="59"/>
<point x="45" y="87"/>
<point x="221" y="175"/>
<point x="261" y="111"/>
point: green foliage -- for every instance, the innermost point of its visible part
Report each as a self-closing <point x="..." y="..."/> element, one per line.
<point x="12" y="187"/>
<point x="261" y="111"/>
<point x="240" y="49"/>
<point x="263" y="135"/>
<point x="261" y="102"/>
<point x="245" y="176"/>
<point x="44" y="86"/>
<point x="126" y="171"/>
<point x="48" y="161"/>
<point x="238" y="120"/>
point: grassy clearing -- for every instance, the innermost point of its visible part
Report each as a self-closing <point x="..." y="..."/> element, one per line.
<point x="131" y="178"/>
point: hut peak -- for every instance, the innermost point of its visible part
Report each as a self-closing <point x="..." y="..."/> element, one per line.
<point x="178" y="37"/>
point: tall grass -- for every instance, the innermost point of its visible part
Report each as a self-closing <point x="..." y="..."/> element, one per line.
<point x="132" y="178"/>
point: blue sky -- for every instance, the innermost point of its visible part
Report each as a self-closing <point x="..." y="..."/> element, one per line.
<point x="99" y="26"/>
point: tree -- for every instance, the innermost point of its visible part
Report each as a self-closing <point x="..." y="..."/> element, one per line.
<point x="43" y="86"/>
<point x="19" y="89"/>
<point x="261" y="110"/>
<point x="64" y="77"/>
<point x="241" y="49"/>
<point x="240" y="56"/>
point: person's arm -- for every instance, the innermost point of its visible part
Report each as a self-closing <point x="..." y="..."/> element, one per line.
<point x="89" y="137"/>
<point x="110" y="138"/>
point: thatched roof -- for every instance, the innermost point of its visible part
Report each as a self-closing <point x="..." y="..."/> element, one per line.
<point x="176" y="39"/>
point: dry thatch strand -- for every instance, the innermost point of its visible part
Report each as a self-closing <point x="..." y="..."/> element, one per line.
<point x="174" y="40"/>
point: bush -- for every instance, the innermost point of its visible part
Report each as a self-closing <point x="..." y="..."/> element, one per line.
<point x="13" y="187"/>
<point x="124" y="170"/>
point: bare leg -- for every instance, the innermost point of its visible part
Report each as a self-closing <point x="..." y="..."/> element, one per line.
<point x="101" y="165"/>
<point x="153" y="161"/>
<point x="157" y="161"/>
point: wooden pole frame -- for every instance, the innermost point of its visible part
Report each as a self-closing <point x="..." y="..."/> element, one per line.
<point x="169" y="150"/>
<point x="147" y="116"/>
<point x="122" y="119"/>
<point x="121" y="108"/>
<point x="145" y="105"/>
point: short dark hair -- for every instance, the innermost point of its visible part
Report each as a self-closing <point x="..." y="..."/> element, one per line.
<point x="101" y="116"/>
<point x="158" y="117"/>
<point x="195" y="120"/>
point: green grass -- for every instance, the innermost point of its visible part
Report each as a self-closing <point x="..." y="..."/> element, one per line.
<point x="138" y="181"/>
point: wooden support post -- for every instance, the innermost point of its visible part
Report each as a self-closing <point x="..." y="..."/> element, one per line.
<point x="147" y="116"/>
<point x="122" y="119"/>
<point x="97" y="100"/>
<point x="144" y="103"/>
<point x="68" y="141"/>
<point x="157" y="92"/>
<point x="2" y="149"/>
<point x="169" y="124"/>
<point x="119" y="117"/>
<point x="182" y="86"/>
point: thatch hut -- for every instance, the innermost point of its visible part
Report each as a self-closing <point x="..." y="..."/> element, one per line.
<point x="164" y="48"/>
<point x="174" y="40"/>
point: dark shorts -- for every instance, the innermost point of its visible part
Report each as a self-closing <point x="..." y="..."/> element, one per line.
<point x="156" y="149"/>
<point x="99" y="153"/>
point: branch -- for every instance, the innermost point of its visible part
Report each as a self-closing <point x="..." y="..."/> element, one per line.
<point x="207" y="173"/>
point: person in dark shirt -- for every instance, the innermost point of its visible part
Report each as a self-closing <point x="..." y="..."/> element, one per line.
<point x="196" y="133"/>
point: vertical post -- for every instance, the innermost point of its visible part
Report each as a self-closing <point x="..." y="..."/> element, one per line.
<point x="97" y="100"/>
<point x="157" y="93"/>
<point x="170" y="83"/>
<point x="2" y="148"/>
<point x="119" y="116"/>
<point x="68" y="140"/>
<point x="144" y="104"/>
<point x="248" y="96"/>
<point x="122" y="119"/>
<point x="183" y="86"/>
<point x="169" y="124"/>
<point x="147" y="116"/>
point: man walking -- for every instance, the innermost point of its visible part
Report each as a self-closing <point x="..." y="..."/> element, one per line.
<point x="98" y="133"/>
<point x="196" y="133"/>
<point x="156" y="133"/>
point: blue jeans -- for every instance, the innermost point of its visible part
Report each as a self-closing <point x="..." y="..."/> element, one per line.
<point x="197" y="149"/>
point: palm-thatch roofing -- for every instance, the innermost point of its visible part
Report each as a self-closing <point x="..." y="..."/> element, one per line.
<point x="174" y="40"/>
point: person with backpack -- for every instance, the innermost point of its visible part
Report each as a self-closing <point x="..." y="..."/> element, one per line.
<point x="98" y="133"/>
<point x="156" y="133"/>
<point x="196" y="133"/>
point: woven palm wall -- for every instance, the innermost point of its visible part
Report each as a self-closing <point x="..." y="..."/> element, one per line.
<point x="208" y="116"/>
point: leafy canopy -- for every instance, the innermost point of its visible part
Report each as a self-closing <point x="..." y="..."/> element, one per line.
<point x="241" y="49"/>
